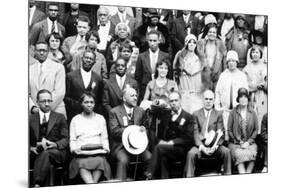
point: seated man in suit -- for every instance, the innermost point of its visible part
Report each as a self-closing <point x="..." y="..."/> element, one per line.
<point x="48" y="139"/>
<point x="80" y="81"/>
<point x="146" y="63"/>
<point x="207" y="120"/>
<point x="46" y="74"/>
<point x="177" y="139"/>
<point x="72" y="45"/>
<point x="119" y="118"/>
<point x="113" y="87"/>
<point x="40" y="30"/>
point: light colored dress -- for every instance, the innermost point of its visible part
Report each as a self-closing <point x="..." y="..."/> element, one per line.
<point x="256" y="73"/>
<point x="190" y="83"/>
<point x="89" y="130"/>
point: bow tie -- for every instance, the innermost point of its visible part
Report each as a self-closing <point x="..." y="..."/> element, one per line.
<point x="174" y="112"/>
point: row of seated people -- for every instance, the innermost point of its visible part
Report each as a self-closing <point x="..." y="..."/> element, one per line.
<point x="185" y="137"/>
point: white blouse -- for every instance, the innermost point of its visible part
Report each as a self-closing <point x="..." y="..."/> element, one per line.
<point x="88" y="130"/>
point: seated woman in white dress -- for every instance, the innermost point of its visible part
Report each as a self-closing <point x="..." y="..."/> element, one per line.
<point x="89" y="143"/>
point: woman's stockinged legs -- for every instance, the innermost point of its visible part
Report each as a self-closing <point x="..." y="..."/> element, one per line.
<point x="86" y="175"/>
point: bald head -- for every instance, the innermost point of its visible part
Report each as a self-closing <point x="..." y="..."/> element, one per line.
<point x="209" y="98"/>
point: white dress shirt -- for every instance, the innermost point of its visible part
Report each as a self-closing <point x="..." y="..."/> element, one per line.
<point x="120" y="81"/>
<point x="50" y="23"/>
<point x="207" y="115"/>
<point x="86" y="77"/>
<point x="153" y="56"/>
<point x="103" y="34"/>
<point x="129" y="111"/>
<point x="41" y="116"/>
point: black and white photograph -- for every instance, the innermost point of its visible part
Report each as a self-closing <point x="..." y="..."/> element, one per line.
<point x="144" y="94"/>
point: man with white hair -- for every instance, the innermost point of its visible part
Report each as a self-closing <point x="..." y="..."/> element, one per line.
<point x="208" y="121"/>
<point x="230" y="80"/>
<point x="121" y="117"/>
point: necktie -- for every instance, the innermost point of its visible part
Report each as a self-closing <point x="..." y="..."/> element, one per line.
<point x="44" y="119"/>
<point x="231" y="97"/>
<point x="205" y="131"/>
<point x="53" y="27"/>
<point x="40" y="74"/>
<point x="130" y="114"/>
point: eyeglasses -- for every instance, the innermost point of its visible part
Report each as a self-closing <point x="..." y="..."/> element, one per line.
<point x="46" y="101"/>
<point x="102" y="14"/>
<point x="41" y="50"/>
<point x="88" y="58"/>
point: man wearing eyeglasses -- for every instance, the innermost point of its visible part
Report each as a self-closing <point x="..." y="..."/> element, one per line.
<point x="208" y="120"/>
<point x="113" y="87"/>
<point x="40" y="30"/>
<point x="48" y="140"/>
<point x="46" y="74"/>
<point x="81" y="80"/>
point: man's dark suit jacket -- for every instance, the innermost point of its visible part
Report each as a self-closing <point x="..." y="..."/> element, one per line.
<point x="70" y="24"/>
<point x="39" y="31"/>
<point x="57" y="130"/>
<point x="139" y="37"/>
<point x="75" y="88"/>
<point x="117" y="125"/>
<point x="215" y="123"/>
<point x="112" y="95"/>
<point x="181" y="131"/>
<point x="143" y="70"/>
<point x="178" y="31"/>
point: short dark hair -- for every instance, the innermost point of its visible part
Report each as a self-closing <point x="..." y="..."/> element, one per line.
<point x="87" y="50"/>
<point x="56" y="36"/>
<point x="208" y="27"/>
<point x="53" y="4"/>
<point x="41" y="92"/>
<point x="118" y="58"/>
<point x="126" y="44"/>
<point x="159" y="63"/>
<point x="83" y="18"/>
<point x="254" y="48"/>
<point x="86" y="94"/>
<point x="92" y="33"/>
<point x="153" y="32"/>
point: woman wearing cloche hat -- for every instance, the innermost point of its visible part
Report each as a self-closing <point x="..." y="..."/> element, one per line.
<point x="187" y="72"/>
<point x="230" y="80"/>
<point x="243" y="129"/>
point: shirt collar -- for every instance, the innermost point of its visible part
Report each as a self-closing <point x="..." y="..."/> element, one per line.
<point x="41" y="115"/>
<point x="83" y="72"/>
<point x="128" y="110"/>
<point x="50" y="21"/>
<point x="153" y="53"/>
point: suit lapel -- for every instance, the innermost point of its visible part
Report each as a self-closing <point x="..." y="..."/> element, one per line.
<point x="51" y="123"/>
<point x="147" y="61"/>
<point x="45" y="27"/>
<point x="122" y="114"/>
<point x="202" y="119"/>
<point x="115" y="86"/>
<point x="36" y="125"/>
<point x="80" y="80"/>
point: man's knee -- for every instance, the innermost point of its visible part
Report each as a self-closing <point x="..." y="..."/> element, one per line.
<point x="192" y="152"/>
<point x="224" y="151"/>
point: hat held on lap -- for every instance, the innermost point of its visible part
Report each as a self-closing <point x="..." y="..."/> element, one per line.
<point x="134" y="140"/>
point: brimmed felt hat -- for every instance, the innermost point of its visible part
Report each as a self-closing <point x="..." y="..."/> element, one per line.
<point x="152" y="12"/>
<point x="242" y="92"/>
<point x="134" y="141"/>
<point x="210" y="18"/>
<point x="231" y="54"/>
